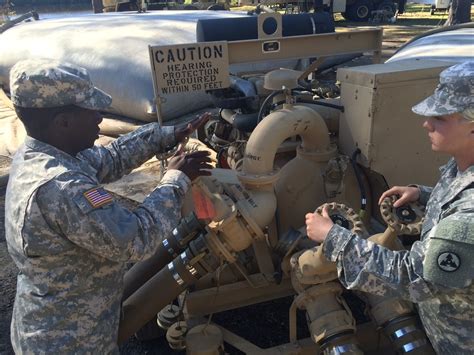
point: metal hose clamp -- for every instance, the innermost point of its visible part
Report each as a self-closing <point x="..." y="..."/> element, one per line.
<point x="175" y="274"/>
<point x="413" y="345"/>
<point x="185" y="259"/>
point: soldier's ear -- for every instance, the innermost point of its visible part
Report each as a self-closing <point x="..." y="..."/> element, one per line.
<point x="61" y="120"/>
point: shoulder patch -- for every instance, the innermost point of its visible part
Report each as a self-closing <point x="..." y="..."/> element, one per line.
<point x="98" y="197"/>
<point x="449" y="261"/>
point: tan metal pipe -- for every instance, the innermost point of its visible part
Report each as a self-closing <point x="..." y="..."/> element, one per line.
<point x="329" y="114"/>
<point x="278" y="126"/>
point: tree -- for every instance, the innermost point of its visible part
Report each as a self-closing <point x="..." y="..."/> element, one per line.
<point x="460" y="12"/>
<point x="97" y="6"/>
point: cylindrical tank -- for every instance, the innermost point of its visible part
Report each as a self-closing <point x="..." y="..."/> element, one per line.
<point x="238" y="29"/>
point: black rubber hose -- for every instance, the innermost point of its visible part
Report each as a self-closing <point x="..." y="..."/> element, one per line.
<point x="358" y="174"/>
<point x="314" y="102"/>
<point x="320" y="103"/>
<point x="265" y="103"/>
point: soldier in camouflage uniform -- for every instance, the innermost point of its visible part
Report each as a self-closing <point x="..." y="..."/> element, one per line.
<point x="67" y="235"/>
<point x="438" y="271"/>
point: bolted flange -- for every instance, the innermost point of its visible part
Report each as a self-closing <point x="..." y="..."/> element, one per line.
<point x="168" y="315"/>
<point x="176" y="335"/>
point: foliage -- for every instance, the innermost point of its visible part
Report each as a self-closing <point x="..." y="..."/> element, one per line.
<point x="6" y="10"/>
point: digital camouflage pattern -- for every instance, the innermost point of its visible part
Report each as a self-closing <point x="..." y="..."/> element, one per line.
<point x="455" y="93"/>
<point x="42" y="83"/>
<point x="436" y="273"/>
<point x="70" y="254"/>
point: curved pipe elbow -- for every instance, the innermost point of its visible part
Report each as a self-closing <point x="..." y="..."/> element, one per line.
<point x="275" y="128"/>
<point x="265" y="207"/>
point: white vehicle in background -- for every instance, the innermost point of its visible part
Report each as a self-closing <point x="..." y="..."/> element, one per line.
<point x="440" y="5"/>
<point x="352" y="10"/>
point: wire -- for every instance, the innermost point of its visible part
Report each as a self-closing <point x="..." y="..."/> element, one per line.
<point x="358" y="173"/>
<point x="265" y="103"/>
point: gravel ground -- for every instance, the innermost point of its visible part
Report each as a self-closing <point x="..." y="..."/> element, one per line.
<point x="8" y="272"/>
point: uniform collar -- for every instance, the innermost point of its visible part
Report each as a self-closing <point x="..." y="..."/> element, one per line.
<point x="459" y="181"/>
<point x="40" y="146"/>
<point x="65" y="158"/>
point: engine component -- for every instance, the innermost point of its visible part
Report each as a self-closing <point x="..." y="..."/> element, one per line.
<point x="394" y="315"/>
<point x="176" y="336"/>
<point x="397" y="319"/>
<point x="344" y="216"/>
<point x="406" y="219"/>
<point x="311" y="266"/>
<point x="168" y="316"/>
<point x="204" y="339"/>
<point x="329" y="319"/>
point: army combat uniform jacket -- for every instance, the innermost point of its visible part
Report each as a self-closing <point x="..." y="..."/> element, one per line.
<point x="436" y="273"/>
<point x="70" y="239"/>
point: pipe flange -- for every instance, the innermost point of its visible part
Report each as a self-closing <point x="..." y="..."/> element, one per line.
<point x="168" y="316"/>
<point x="176" y="335"/>
<point x="312" y="294"/>
<point x="219" y="247"/>
<point x="344" y="216"/>
<point x="406" y="219"/>
<point x="253" y="180"/>
<point x="318" y="156"/>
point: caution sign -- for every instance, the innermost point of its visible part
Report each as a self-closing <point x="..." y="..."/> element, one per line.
<point x="190" y="67"/>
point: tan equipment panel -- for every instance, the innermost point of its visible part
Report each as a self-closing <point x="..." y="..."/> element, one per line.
<point x="378" y="120"/>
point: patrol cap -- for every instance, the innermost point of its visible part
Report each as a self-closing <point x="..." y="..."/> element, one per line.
<point x="45" y="83"/>
<point x="454" y="94"/>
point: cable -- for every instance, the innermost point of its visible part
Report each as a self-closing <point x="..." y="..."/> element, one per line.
<point x="265" y="103"/>
<point x="358" y="173"/>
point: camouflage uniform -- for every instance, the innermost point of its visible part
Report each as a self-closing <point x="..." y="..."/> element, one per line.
<point x="70" y="239"/>
<point x="437" y="272"/>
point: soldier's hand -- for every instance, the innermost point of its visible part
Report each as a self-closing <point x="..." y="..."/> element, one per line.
<point x="318" y="226"/>
<point x="192" y="164"/>
<point x="405" y="194"/>
<point x="183" y="131"/>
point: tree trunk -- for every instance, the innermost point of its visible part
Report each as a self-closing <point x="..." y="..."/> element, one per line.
<point x="97" y="6"/>
<point x="460" y="12"/>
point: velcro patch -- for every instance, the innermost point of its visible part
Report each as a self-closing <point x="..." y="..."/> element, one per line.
<point x="98" y="197"/>
<point x="449" y="261"/>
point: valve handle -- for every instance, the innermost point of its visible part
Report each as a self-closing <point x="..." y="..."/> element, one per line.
<point x="344" y="216"/>
<point x="406" y="219"/>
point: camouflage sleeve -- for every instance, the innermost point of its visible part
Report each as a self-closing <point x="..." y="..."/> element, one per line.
<point x="425" y="193"/>
<point x="129" y="151"/>
<point x="87" y="215"/>
<point x="365" y="266"/>
<point x="448" y="261"/>
<point x="437" y="264"/>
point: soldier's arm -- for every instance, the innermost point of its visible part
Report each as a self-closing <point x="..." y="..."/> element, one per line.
<point x="425" y="193"/>
<point x="415" y="275"/>
<point x="129" y="151"/>
<point x="87" y="215"/>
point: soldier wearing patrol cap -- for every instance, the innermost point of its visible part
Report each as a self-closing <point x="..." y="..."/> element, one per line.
<point x="68" y="236"/>
<point x="437" y="273"/>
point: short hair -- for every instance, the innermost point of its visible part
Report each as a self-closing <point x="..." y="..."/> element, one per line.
<point x="40" y="119"/>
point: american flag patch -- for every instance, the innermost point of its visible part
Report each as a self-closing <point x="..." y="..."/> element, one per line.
<point x="98" y="197"/>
